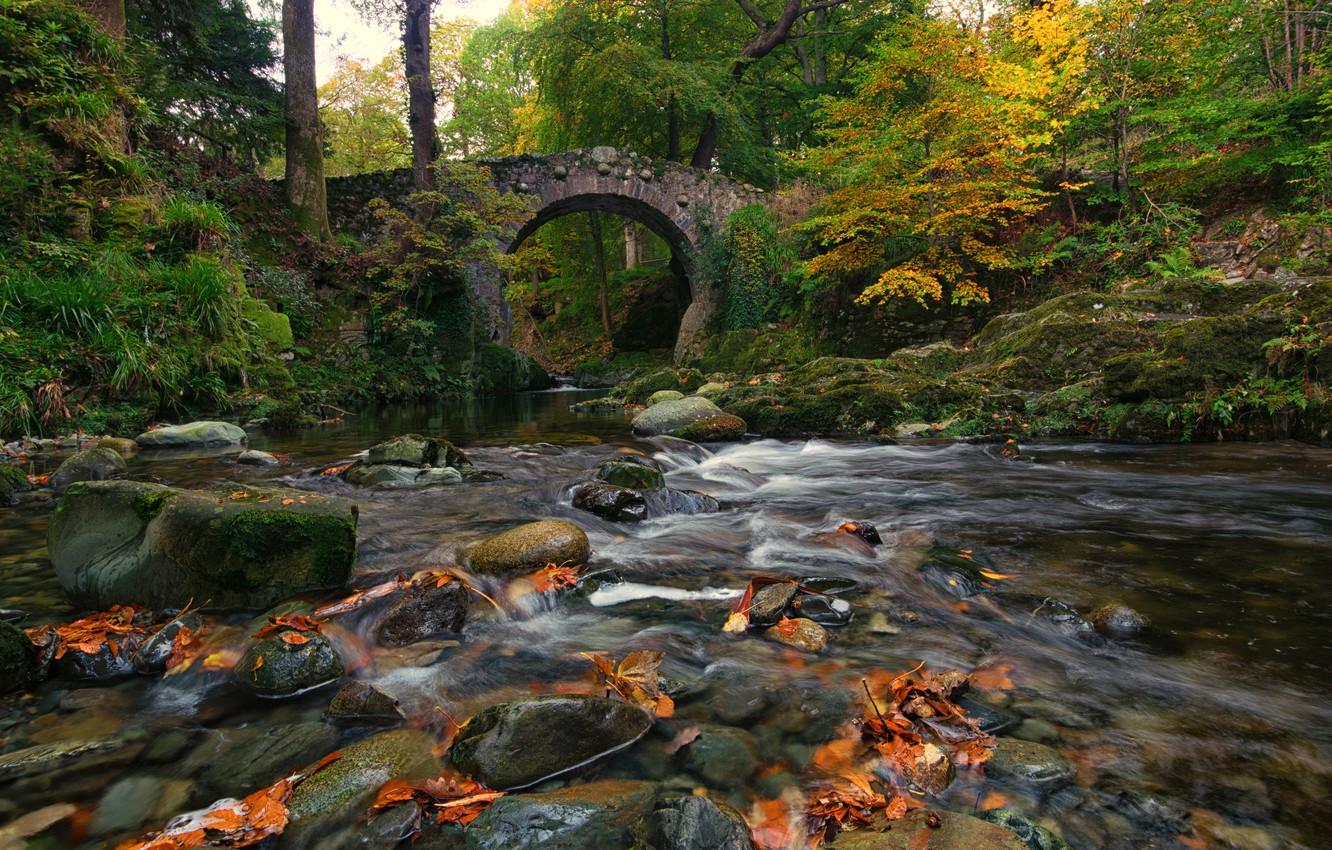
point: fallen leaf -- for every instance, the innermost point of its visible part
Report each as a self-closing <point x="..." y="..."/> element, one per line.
<point x="682" y="739"/>
<point x="294" y="638"/>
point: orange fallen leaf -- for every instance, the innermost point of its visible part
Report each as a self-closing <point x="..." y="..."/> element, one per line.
<point x="286" y="502"/>
<point x="294" y="638"/>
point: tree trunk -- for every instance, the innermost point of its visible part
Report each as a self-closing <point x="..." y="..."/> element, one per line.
<point x="306" y="193"/>
<point x="420" y="93"/>
<point x="599" y="256"/>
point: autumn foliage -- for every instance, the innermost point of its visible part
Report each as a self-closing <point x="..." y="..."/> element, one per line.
<point x="635" y="680"/>
<point x="449" y="797"/>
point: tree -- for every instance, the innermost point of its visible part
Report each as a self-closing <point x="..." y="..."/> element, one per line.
<point x="483" y="75"/>
<point x="413" y="17"/>
<point x="362" y="108"/>
<point x="306" y="192"/>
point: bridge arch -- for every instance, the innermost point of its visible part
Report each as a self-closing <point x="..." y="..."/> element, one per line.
<point x="676" y="202"/>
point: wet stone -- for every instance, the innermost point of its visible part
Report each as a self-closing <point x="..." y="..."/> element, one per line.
<point x="16" y="657"/>
<point x="238" y="761"/>
<point x="595" y="816"/>
<point x="152" y="656"/>
<point x="931" y="771"/>
<point x="362" y="702"/>
<point x="1035" y="836"/>
<point x="253" y="457"/>
<point x="949" y="572"/>
<point x="687" y="502"/>
<point x="528" y="548"/>
<point x="1028" y="762"/>
<point x="722" y="756"/>
<point x="105" y="664"/>
<point x="96" y="464"/>
<point x="835" y="585"/>
<point x="693" y="823"/>
<point x="1038" y="730"/>
<point x="423" y="612"/>
<point x="276" y="667"/>
<point x="801" y="633"/>
<point x="517" y="744"/>
<point x="768" y="604"/>
<point x="823" y="610"/>
<point x="1117" y="620"/>
<point x="955" y="831"/>
<point x="617" y="504"/>
<point x="134" y="801"/>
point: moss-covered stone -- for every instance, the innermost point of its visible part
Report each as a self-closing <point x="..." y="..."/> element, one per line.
<point x="193" y="435"/>
<point x="96" y="464"/>
<point x="118" y="542"/>
<point x="16" y="655"/>
<point x="635" y="473"/>
<point x="640" y="389"/>
<point x="349" y="785"/>
<point x="714" y="429"/>
<point x="498" y="369"/>
<point x="272" y="327"/>
<point x="417" y="450"/>
<point x="664" y="395"/>
<point x="283" y="665"/>
<point x="12" y="480"/>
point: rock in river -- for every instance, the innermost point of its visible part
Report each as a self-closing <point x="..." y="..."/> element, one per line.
<point x="517" y="744"/>
<point x="288" y="664"/>
<point x="595" y="816"/>
<point x="955" y="831"/>
<point x="118" y="542"/>
<point x="1117" y="620"/>
<point x="423" y="612"/>
<point x="672" y="417"/>
<point x="193" y="434"/>
<point x="1030" y="763"/>
<point x="617" y="504"/>
<point x="96" y="464"/>
<point x="632" y="471"/>
<point x="363" y="702"/>
<point x="528" y="548"/>
<point x="16" y="655"/>
<point x="693" y="823"/>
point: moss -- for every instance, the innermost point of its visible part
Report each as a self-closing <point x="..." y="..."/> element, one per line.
<point x="1202" y="352"/>
<point x="269" y="535"/>
<point x="638" y="390"/>
<point x="12" y="480"/>
<point x="149" y="504"/>
<point x="273" y="328"/>
<point x="1068" y="411"/>
<point x="129" y="217"/>
<point x="713" y="429"/>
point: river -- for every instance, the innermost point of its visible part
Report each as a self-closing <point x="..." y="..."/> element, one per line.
<point x="1222" y="705"/>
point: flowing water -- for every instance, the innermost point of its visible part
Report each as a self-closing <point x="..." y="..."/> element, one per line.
<point x="1219" y="713"/>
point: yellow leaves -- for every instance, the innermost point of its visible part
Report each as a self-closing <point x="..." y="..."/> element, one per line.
<point x="635" y="680"/>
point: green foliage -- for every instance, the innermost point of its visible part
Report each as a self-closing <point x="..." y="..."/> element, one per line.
<point x="754" y="257"/>
<point x="1178" y="262"/>
<point x="196" y="225"/>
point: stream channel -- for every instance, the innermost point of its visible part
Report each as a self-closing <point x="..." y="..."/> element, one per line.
<point x="1219" y="713"/>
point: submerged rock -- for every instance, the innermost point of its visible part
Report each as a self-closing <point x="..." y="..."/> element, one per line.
<point x="722" y="756"/>
<point x="16" y="657"/>
<point x="693" y="823"/>
<point x="117" y="542"/>
<point x="956" y="573"/>
<point x="96" y="464"/>
<point x="193" y="434"/>
<point x="1035" y="836"/>
<point x="528" y="548"/>
<point x="1117" y="620"/>
<point x="237" y="761"/>
<point x="594" y="816"/>
<point x="343" y="791"/>
<point x="517" y="744"/>
<point x="288" y="664"/>
<point x="1028" y="762"/>
<point x="688" y="502"/>
<point x="955" y="831"/>
<point x="423" y="612"/>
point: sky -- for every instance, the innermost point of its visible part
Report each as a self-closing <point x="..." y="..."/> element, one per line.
<point x="340" y="31"/>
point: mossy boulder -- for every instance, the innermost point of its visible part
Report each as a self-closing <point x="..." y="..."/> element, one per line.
<point x="96" y="464"/>
<point x="344" y="790"/>
<point x="193" y="435"/>
<point x="714" y="429"/>
<point x="669" y="417"/>
<point x="1196" y="354"/>
<point x="272" y="327"/>
<point x="118" y="542"/>
<point x="288" y="664"/>
<point x="664" y="395"/>
<point x="16" y="656"/>
<point x="636" y="473"/>
<point x="498" y="369"/>
<point x="517" y="744"/>
<point x="711" y="390"/>
<point x="640" y="389"/>
<point x="119" y="445"/>
<point x="416" y="450"/>
<point x="12" y="481"/>
<point x="528" y="548"/>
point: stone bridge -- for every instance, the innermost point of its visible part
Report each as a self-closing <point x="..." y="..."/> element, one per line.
<point x="674" y="201"/>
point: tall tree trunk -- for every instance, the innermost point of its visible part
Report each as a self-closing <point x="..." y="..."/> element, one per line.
<point x="599" y="256"/>
<point x="672" y="105"/>
<point x="306" y="193"/>
<point x="420" y="93"/>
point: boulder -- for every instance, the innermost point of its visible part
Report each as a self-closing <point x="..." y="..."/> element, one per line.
<point x="423" y="612"/>
<point x="118" y="542"/>
<point x="632" y="471"/>
<point x="617" y="504"/>
<point x="955" y="831"/>
<point x="714" y="429"/>
<point x="664" y="395"/>
<point x="594" y="816"/>
<point x="693" y="823"/>
<point x="253" y="457"/>
<point x="520" y="743"/>
<point x="1117" y="620"/>
<point x="96" y="464"/>
<point x="239" y="760"/>
<point x="668" y="417"/>
<point x="119" y="445"/>
<point x="16" y="657"/>
<point x="348" y="786"/>
<point x="288" y="664"/>
<point x="416" y="450"/>
<point x="193" y="435"/>
<point x="528" y="548"/>
<point x="710" y="390"/>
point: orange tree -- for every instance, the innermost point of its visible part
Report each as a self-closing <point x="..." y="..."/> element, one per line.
<point x="932" y="155"/>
